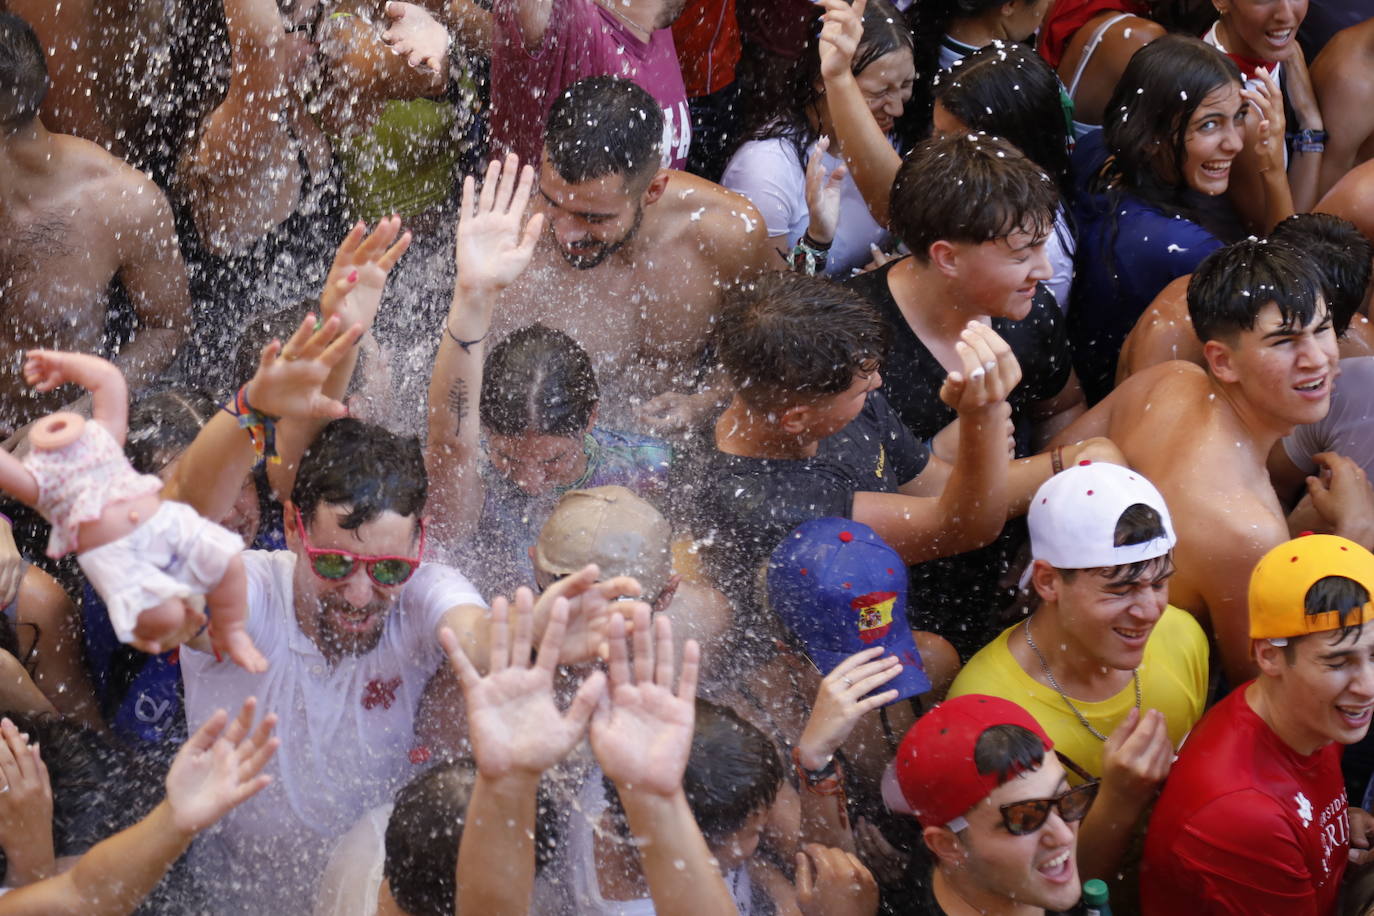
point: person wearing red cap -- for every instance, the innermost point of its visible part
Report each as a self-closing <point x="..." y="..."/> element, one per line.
<point x="1253" y="819"/>
<point x="995" y="808"/>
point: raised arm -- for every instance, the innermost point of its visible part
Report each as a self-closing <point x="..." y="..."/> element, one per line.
<point x="287" y="384"/>
<point x="215" y="771"/>
<point x="972" y="507"/>
<point x="866" y="150"/>
<point x="47" y="369"/>
<point x="642" y="736"/>
<point x="1260" y="190"/>
<point x="494" y="245"/>
<point x="517" y="732"/>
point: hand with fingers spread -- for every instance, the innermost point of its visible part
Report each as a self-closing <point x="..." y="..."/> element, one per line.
<point x="988" y="374"/>
<point x="289" y="376"/>
<point x="592" y="603"/>
<point x="495" y="241"/>
<point x="416" y="35"/>
<point x="219" y="768"/>
<point x="845" y="696"/>
<point x="832" y="882"/>
<point x="823" y="195"/>
<point x="357" y="278"/>
<point x="25" y="809"/>
<point x="642" y="731"/>
<point x="514" y="724"/>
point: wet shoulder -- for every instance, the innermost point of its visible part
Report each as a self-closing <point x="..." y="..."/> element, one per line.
<point x="710" y="212"/>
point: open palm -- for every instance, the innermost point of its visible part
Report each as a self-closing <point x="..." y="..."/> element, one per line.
<point x="494" y="242"/>
<point x="514" y="724"/>
<point x="642" y="734"/>
<point x="219" y="768"/>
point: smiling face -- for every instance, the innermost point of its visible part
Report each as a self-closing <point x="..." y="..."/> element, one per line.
<point x="1037" y="869"/>
<point x="1325" y="686"/>
<point x="1106" y="617"/>
<point x="886" y="86"/>
<point x="1262" y="29"/>
<point x="1213" y="138"/>
<point x="347" y="616"/>
<point x="999" y="277"/>
<point x="589" y="221"/>
<point x="1285" y="371"/>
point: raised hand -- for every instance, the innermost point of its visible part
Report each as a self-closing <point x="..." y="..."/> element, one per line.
<point x="1266" y="98"/>
<point x="989" y="373"/>
<point x="590" y="602"/>
<point x="495" y="242"/>
<point x="845" y="696"/>
<point x="219" y="767"/>
<point x="1137" y="756"/>
<point x="642" y="731"/>
<point x="289" y="376"/>
<point x="514" y="724"/>
<point x="841" y="32"/>
<point x="416" y="35"/>
<point x="357" y="278"/>
<point x="823" y="195"/>
<point x="25" y="808"/>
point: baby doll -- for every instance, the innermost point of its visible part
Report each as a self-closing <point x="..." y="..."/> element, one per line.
<point x="148" y="558"/>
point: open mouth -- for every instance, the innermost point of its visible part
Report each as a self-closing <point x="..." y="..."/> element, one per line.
<point x="356" y="621"/>
<point x="1355" y="716"/>
<point x="1315" y="388"/>
<point x="1133" y="637"/>
<point x="1279" y="38"/>
<point x="1059" y="869"/>
<point x="1217" y="168"/>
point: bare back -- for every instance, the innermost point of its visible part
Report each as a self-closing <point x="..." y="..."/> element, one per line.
<point x="644" y="313"/>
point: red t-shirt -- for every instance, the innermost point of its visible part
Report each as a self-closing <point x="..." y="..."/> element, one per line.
<point x="582" y="39"/>
<point x="1246" y="826"/>
<point x="708" y="45"/>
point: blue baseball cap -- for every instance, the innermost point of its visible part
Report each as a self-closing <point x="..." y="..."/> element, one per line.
<point x="840" y="589"/>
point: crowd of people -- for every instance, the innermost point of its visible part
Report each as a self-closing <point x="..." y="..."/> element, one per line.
<point x="690" y="457"/>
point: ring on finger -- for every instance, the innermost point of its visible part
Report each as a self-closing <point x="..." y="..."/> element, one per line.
<point x="5" y="789"/>
<point x="847" y="682"/>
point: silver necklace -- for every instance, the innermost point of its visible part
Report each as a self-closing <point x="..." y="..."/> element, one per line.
<point x="1049" y="676"/>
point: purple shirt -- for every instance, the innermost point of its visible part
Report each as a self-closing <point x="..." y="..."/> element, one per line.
<point x="583" y="39"/>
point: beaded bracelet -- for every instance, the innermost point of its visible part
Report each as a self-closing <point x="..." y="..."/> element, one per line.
<point x="262" y="428"/>
<point x="809" y="257"/>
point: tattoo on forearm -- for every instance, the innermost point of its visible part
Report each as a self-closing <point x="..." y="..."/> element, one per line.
<point x="458" y="401"/>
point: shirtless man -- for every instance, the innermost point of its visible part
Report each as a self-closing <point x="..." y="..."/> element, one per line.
<point x="1341" y="256"/>
<point x="634" y="259"/>
<point x="1203" y="434"/>
<point x="73" y="221"/>
<point x="1343" y="79"/>
<point x="1352" y="198"/>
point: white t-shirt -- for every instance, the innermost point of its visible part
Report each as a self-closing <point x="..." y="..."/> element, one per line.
<point x="346" y="730"/>
<point x="769" y="174"/>
<point x="353" y="877"/>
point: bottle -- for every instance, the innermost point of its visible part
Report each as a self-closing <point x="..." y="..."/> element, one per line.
<point x="1095" y="898"/>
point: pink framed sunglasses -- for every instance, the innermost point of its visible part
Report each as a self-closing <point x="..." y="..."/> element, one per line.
<point x="333" y="565"/>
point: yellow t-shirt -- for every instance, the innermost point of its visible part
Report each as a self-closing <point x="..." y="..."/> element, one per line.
<point x="1173" y="679"/>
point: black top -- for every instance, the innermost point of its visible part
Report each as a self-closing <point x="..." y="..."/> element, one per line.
<point x="750" y="504"/>
<point x="912" y="376"/>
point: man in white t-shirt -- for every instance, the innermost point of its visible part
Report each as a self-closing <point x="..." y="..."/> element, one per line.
<point x="348" y="618"/>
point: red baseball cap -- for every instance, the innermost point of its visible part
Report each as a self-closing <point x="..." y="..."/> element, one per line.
<point x="934" y="776"/>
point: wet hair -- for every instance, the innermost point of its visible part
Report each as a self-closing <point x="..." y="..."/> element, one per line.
<point x="24" y="78"/>
<point x="538" y="380"/>
<point x="1340" y="255"/>
<point x="1147" y="116"/>
<point x="1007" y="751"/>
<point x="604" y="125"/>
<point x="163" y="424"/>
<point x="789" y="337"/>
<point x="422" y="838"/>
<point x="884" y="32"/>
<point x="929" y="21"/>
<point x="1333" y="593"/>
<point x="1232" y="286"/>
<point x="733" y="772"/>
<point x="363" y="467"/>
<point x="1009" y="91"/>
<point x="970" y="188"/>
<point x="1138" y="524"/>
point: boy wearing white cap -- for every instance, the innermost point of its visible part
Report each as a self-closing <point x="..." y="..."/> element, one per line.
<point x="1114" y="674"/>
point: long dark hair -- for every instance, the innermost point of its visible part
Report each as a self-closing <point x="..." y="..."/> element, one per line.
<point x="1008" y="91"/>
<point x="1163" y="85"/>
<point x="884" y="33"/>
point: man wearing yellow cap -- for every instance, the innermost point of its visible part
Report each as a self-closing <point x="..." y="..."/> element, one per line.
<point x="1253" y="819"/>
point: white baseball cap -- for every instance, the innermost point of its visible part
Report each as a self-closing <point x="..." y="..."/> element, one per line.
<point x="1074" y="515"/>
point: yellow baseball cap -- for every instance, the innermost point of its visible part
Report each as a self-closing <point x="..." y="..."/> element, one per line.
<point x="1281" y="579"/>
